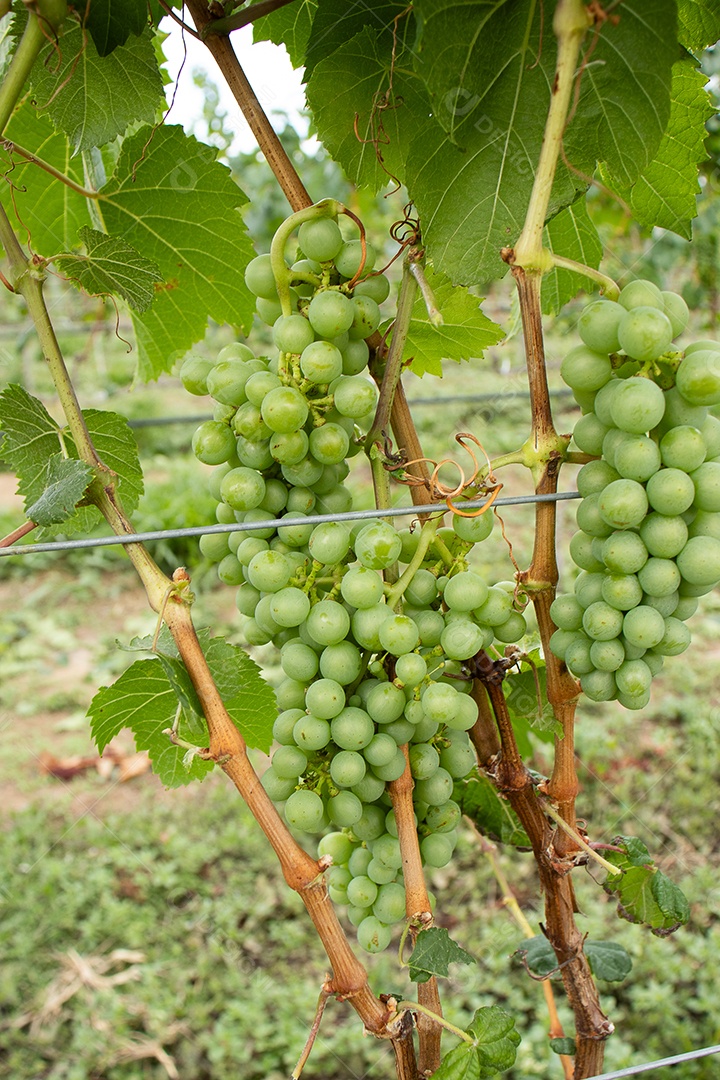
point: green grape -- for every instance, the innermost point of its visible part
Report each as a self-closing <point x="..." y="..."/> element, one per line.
<point x="269" y="311"/>
<point x="283" y="726"/>
<point x="430" y="626"/>
<point x="359" y="859"/>
<point x="213" y="443"/>
<point x="473" y="529"/>
<point x="595" y="476"/>
<point x="290" y="447"/>
<point x="376" y="286"/>
<point x="347" y="768"/>
<point x="440" y="702"/>
<point x="269" y="571"/>
<point x="670" y="492"/>
<point x="330" y="313"/>
<point x="676" y="638"/>
<point x="259" y="384"/>
<point x="362" y="892"/>
<point x="659" y="577"/>
<point x="641" y="293"/>
<point x="305" y="473"/>
<point x="436" y="849"/>
<point x="289" y="762"/>
<point x="422" y="590"/>
<point x="598" y="325"/>
<point x="321" y="362"/>
<point x="320" y="239"/>
<point x="380" y="749"/>
<point x="599" y="685"/>
<point x="683" y="448"/>
<point x="380" y="873"/>
<point x="276" y="787"/>
<point x="703" y="524"/>
<point x="497" y="609"/>
<point x="362" y="588"/>
<point x="465" y="592"/>
<point x="589" y="433"/>
<point x="577" y="656"/>
<point x="424" y="761"/>
<point x="230" y="571"/>
<point x="699" y="561"/>
<point x="637" y="457"/>
<point x="386" y="849"/>
<point x="284" y="410"/>
<point x="349" y="259"/>
<point x="328" y="623"/>
<point x="369" y="791"/>
<point x="389" y="906"/>
<point x="666" y="605"/>
<point x="299" y="662"/>
<point x="366" y="623"/>
<point x="588" y="588"/>
<point x="645" y="333"/>
<point x="260" y="279"/>
<point x="292" y="333"/>
<point x="633" y="678"/>
<point x="355" y="357"/>
<point x="603" y="400"/>
<point x="366" y="318"/>
<point x="329" y="444"/>
<point x="377" y="546"/>
<point x="295" y="536"/>
<point x="393" y="770"/>
<point x="602" y="622"/>
<point x="679" y="412"/>
<point x="458" y="758"/>
<point x="246" y="599"/>
<point x="460" y="641"/>
<point x="677" y="312"/>
<point x="710" y="431"/>
<point x="437" y="789"/>
<point x="325" y="698"/>
<point x="354" y="396"/>
<point x="304" y="810"/>
<point x="398" y="635"/>
<point x="249" y="423"/>
<point x="242" y="488"/>
<point x="254" y="455"/>
<point x="339" y="847"/>
<point x="373" y="936"/>
<point x="637" y="405"/>
<point x="706" y="479"/>
<point x="385" y="703"/>
<point x="289" y="606"/>
<point x="624" y="553"/>
<point x="341" y="662"/>
<point x="698" y="377"/>
<point x="624" y="503"/>
<point x="589" y="518"/>
<point x="352" y="729"/>
<point x="607" y="655"/>
<point x="584" y="369"/>
<point x="581" y="552"/>
<point x="643" y="627"/>
<point x="559" y="642"/>
<point x="194" y="373"/>
<point x="263" y="616"/>
<point x="311" y="733"/>
<point x="254" y="635"/>
<point x="344" y="809"/>
<point x="512" y="629"/>
<point x="566" y="613"/>
<point x="337" y="501"/>
<point x="330" y="542"/>
<point x="621" y="591"/>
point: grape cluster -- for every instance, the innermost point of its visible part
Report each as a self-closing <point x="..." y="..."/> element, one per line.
<point x="363" y="678"/>
<point x="649" y="521"/>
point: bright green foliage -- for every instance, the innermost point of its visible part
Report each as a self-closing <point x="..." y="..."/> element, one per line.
<point x="116" y="447"/>
<point x="336" y="22"/>
<point x="493" y="1049"/>
<point x="434" y="951"/>
<point x="92" y="98"/>
<point x="526" y="695"/>
<point x="608" y="959"/>
<point x="65" y="482"/>
<point x="698" y="23"/>
<point x="665" y="193"/>
<point x="465" y="331"/>
<point x="111" y="22"/>
<point x="571" y="234"/>
<point x="645" y="895"/>
<point x="494" y="817"/>
<point x="563" y="1046"/>
<point x="289" y="26"/>
<point x="111" y="265"/>
<point x="31" y="438"/>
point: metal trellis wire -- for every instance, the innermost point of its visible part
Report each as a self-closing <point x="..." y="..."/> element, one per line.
<point x="676" y="1059"/>
<point x="286" y="522"/>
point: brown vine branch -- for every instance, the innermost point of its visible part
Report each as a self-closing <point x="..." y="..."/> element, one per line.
<point x="17" y="534"/>
<point x="242" y="18"/>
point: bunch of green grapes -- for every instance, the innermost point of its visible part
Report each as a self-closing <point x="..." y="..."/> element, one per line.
<point x="649" y="522"/>
<point x="362" y="677"/>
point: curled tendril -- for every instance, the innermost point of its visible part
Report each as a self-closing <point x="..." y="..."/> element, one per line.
<point x="489" y="483"/>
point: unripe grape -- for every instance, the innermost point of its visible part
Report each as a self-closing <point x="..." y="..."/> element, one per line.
<point x="641" y="293"/>
<point x="320" y="239"/>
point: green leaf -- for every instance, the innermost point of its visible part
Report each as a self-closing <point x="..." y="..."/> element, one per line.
<point x="336" y="22"/>
<point x="571" y="234"/>
<point x="496" y="1040"/>
<point x="289" y="26"/>
<point x="144" y="700"/>
<point x="355" y="89"/>
<point x="698" y="23"/>
<point x="665" y="194"/>
<point x="65" y="484"/>
<point x="179" y="207"/>
<point x="111" y="22"/>
<point x="465" y="331"/>
<point x="660" y="904"/>
<point x="461" y="1063"/>
<point x="434" y="951"/>
<point x="563" y="1046"/>
<point x="526" y="696"/>
<point x="111" y="266"/>
<point x="50" y="211"/>
<point x="492" y="814"/>
<point x="93" y="98"/>
<point x="30" y="439"/>
<point x="608" y="960"/>
<point x="115" y="443"/>
<point x="537" y="953"/>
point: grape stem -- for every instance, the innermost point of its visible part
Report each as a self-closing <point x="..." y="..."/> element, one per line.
<point x="553" y="813"/>
<point x="427" y="535"/>
<point x="21" y="65"/>
<point x="610" y="287"/>
<point x="394" y="360"/>
<point x="281" y="271"/>
<point x="15" y="148"/>
<point x="413" y="1006"/>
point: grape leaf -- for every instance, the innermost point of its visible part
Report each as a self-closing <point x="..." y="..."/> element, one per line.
<point x="465" y="331"/>
<point x="665" y="194"/>
<point x="111" y="22"/>
<point x="496" y="1040"/>
<point x="461" y="1063"/>
<point x="353" y="90"/>
<point x="65" y="484"/>
<point x="30" y="438"/>
<point x="492" y="814"/>
<point x="563" y="1046"/>
<point x="51" y="212"/>
<point x="115" y="443"/>
<point x="289" y="26"/>
<point x="698" y="23"/>
<point x="607" y="959"/>
<point x="434" y="951"/>
<point x="658" y="904"/>
<point x="111" y="266"/>
<point x="94" y="98"/>
<point x="179" y="207"/>
<point x="336" y="22"/>
<point x="144" y="700"/>
<point x="526" y="696"/>
<point x="571" y="234"/>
